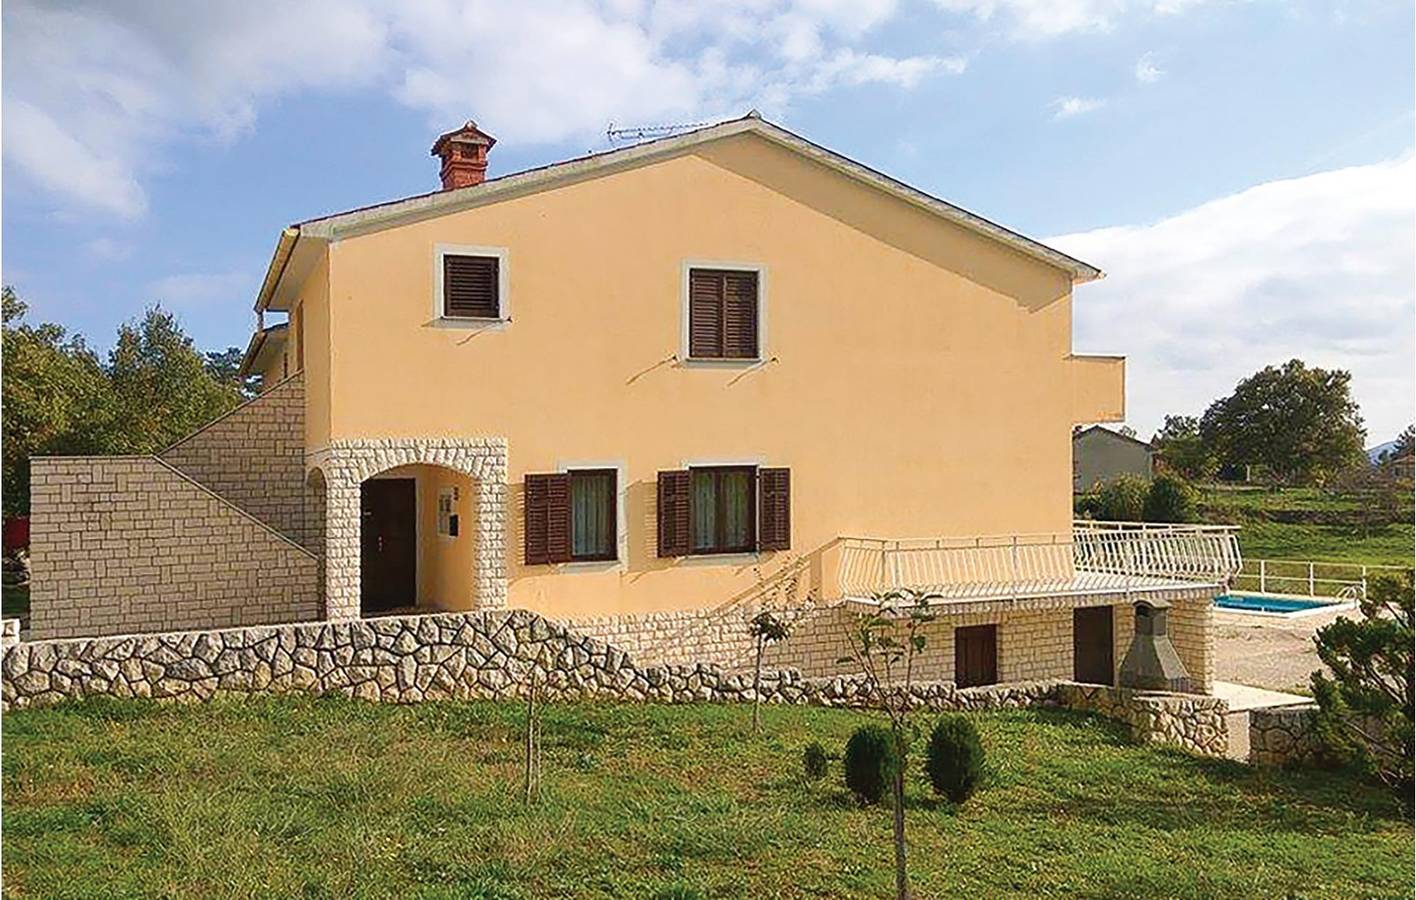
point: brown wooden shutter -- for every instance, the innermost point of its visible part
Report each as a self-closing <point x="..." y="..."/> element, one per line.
<point x="774" y="523"/>
<point x="705" y="313"/>
<point x="470" y="286"/>
<point x="674" y="494"/>
<point x="740" y="315"/>
<point x="547" y="527"/>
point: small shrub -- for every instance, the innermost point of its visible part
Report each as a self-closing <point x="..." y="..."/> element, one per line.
<point x="1123" y="499"/>
<point x="815" y="761"/>
<point x="1169" y="499"/>
<point x="870" y="762"/>
<point x="955" y="758"/>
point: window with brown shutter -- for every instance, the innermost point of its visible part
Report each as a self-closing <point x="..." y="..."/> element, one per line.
<point x="774" y="529"/>
<point x="723" y="314"/>
<point x="572" y="517"/>
<point x="673" y="513"/>
<point x="471" y="286"/>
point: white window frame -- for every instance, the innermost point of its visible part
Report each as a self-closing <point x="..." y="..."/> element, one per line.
<point x="621" y="516"/>
<point x="503" y="256"/>
<point x="713" y="362"/>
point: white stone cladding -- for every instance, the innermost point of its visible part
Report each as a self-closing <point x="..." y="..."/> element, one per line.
<point x="347" y="464"/>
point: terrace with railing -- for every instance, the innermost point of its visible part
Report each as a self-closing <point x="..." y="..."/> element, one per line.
<point x="1093" y="558"/>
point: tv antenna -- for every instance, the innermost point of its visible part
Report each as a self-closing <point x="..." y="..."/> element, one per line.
<point x="644" y="132"/>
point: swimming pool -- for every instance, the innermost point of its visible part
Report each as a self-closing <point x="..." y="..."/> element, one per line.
<point x="1282" y="606"/>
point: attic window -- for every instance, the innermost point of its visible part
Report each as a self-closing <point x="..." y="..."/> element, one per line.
<point x="471" y="284"/>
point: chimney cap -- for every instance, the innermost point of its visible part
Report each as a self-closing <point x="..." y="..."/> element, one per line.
<point x="469" y="133"/>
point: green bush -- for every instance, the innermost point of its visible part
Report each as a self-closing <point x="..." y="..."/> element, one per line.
<point x="955" y="758"/>
<point x="815" y="760"/>
<point x="871" y="760"/>
<point x="1169" y="499"/>
<point x="1123" y="499"/>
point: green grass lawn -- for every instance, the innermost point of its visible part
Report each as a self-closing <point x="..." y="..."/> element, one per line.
<point x="337" y="798"/>
<point x="1390" y="545"/>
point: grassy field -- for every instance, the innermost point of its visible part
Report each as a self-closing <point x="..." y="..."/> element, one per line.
<point x="336" y="798"/>
<point x="1340" y="536"/>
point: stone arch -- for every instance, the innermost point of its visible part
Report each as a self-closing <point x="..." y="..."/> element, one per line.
<point x="347" y="464"/>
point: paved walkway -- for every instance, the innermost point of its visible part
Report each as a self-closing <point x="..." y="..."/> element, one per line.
<point x="1272" y="653"/>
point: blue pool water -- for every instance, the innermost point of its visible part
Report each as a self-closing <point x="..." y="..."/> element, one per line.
<point x="1262" y="603"/>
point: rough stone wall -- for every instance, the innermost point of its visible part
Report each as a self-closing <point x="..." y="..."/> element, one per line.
<point x="1192" y="633"/>
<point x="1283" y="736"/>
<point x="407" y="659"/>
<point x="128" y="544"/>
<point x="254" y="457"/>
<point x="1188" y="721"/>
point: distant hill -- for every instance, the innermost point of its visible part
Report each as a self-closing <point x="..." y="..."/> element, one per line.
<point x="1374" y="453"/>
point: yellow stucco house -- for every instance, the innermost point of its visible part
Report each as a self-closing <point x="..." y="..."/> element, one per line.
<point x="650" y="392"/>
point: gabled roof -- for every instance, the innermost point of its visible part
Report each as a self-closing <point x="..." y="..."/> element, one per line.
<point x="1116" y="434"/>
<point x="437" y="203"/>
<point x="265" y="341"/>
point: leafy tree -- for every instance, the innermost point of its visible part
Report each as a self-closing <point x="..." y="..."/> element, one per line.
<point x="162" y="387"/>
<point x="1126" y="431"/>
<point x="1180" y="448"/>
<point x="1122" y="499"/>
<point x="881" y="655"/>
<point x="1405" y="443"/>
<point x="60" y="398"/>
<point x="1169" y="499"/>
<point x="1365" y="710"/>
<point x="55" y="396"/>
<point x="1300" y="423"/>
<point x="225" y="367"/>
<point x="764" y="629"/>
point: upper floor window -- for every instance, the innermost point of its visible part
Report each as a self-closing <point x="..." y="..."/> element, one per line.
<point x="471" y="283"/>
<point x="723" y="313"/>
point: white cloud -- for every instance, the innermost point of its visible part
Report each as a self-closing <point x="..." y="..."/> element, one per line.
<point x="200" y="288"/>
<point x="95" y="92"/>
<point x="1318" y="268"/>
<point x="1044" y="19"/>
<point x="1067" y="107"/>
<point x="108" y="249"/>
<point x="1147" y="72"/>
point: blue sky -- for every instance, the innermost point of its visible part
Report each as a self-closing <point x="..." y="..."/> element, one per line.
<point x="1242" y="170"/>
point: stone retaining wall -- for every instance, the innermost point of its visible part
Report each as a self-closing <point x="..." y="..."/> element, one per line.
<point x="1283" y="736"/>
<point x="493" y="654"/>
<point x="1192" y="721"/>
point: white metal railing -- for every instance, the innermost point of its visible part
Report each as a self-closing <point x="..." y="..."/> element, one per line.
<point x="1308" y="578"/>
<point x="1093" y="556"/>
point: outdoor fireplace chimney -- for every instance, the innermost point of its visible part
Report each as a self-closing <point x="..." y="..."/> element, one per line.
<point x="464" y="156"/>
<point x="1151" y="663"/>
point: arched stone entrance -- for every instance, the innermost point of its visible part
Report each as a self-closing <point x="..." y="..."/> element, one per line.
<point x="347" y="464"/>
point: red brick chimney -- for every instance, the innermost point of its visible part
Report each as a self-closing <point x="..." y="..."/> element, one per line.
<point x="464" y="156"/>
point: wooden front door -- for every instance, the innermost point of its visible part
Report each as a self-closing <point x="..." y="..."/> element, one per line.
<point x="976" y="655"/>
<point x="388" y="545"/>
<point x="1093" y="646"/>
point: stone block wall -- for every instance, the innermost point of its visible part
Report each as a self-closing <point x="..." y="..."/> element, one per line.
<point x="1033" y="643"/>
<point x="1283" y="736"/>
<point x="404" y="659"/>
<point x="1192" y="633"/>
<point x="254" y="457"/>
<point x="130" y="544"/>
